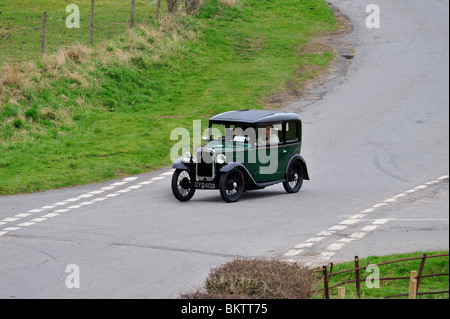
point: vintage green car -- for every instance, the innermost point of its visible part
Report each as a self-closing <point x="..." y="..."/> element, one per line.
<point x="245" y="150"/>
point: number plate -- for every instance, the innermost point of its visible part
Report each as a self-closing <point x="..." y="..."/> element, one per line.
<point x="205" y="185"/>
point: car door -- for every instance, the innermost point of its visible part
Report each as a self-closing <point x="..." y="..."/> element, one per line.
<point x="270" y="153"/>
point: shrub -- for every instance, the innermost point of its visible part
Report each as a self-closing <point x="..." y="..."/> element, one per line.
<point x="257" y="279"/>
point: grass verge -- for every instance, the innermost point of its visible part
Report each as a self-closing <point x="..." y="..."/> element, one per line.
<point x="87" y="114"/>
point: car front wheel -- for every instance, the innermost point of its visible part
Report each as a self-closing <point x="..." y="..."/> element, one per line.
<point x="294" y="178"/>
<point x="183" y="185"/>
<point x="231" y="185"/>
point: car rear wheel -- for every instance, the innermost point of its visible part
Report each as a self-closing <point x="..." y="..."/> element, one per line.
<point x="183" y="185"/>
<point x="231" y="185"/>
<point x="294" y="178"/>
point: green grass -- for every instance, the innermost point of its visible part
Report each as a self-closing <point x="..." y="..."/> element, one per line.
<point x="21" y="24"/>
<point x="394" y="287"/>
<point x="86" y="114"/>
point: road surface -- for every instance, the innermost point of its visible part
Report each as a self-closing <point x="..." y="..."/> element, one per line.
<point x="376" y="142"/>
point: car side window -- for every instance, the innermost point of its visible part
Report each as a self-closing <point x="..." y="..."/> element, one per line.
<point x="270" y="134"/>
<point x="292" y="135"/>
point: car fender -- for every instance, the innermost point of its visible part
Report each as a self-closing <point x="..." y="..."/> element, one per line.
<point x="247" y="176"/>
<point x="179" y="164"/>
<point x="300" y="159"/>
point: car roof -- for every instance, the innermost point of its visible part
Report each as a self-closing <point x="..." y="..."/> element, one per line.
<point x="253" y="117"/>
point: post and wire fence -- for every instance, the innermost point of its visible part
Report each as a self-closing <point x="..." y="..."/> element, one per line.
<point x="414" y="279"/>
<point x="29" y="33"/>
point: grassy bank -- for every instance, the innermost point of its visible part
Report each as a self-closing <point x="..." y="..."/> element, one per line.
<point x="85" y="114"/>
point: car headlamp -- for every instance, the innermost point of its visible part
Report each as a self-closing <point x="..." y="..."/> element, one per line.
<point x="220" y="159"/>
<point x="187" y="157"/>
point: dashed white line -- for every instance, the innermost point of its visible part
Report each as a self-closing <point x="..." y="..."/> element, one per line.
<point x="356" y="219"/>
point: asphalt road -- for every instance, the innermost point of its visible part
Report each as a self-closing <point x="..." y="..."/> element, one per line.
<point x="376" y="140"/>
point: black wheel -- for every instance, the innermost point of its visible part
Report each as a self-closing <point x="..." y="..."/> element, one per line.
<point x="294" y="178"/>
<point x="183" y="185"/>
<point x="231" y="185"/>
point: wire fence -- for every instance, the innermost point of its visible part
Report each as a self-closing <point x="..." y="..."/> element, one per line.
<point x="27" y="30"/>
<point x="327" y="273"/>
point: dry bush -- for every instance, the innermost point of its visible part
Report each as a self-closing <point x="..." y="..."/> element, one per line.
<point x="257" y="279"/>
<point x="229" y="3"/>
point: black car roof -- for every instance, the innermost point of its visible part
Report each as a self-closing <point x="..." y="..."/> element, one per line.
<point x="253" y="117"/>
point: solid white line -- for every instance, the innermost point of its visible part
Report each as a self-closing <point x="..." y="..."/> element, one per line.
<point x="443" y="177"/>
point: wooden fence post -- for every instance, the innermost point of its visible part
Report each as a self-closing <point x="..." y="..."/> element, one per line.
<point x="341" y="293"/>
<point x="44" y="33"/>
<point x="325" y="283"/>
<point x="358" y="285"/>
<point x="413" y="285"/>
<point x="92" y="22"/>
<point x="132" y="14"/>
<point x="422" y="266"/>
<point x="158" y="10"/>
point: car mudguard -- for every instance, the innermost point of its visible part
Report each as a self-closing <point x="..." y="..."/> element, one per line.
<point x="179" y="164"/>
<point x="297" y="157"/>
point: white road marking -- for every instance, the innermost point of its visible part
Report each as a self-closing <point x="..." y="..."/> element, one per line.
<point x="369" y="228"/>
<point x="26" y="224"/>
<point x="35" y="210"/>
<point x="304" y="245"/>
<point x="380" y="221"/>
<point x="167" y="174"/>
<point x="359" y="218"/>
<point x="130" y="179"/>
<point x="22" y="215"/>
<point x="291" y="253"/>
<point x="315" y="239"/>
<point x="157" y="178"/>
<point x="336" y="246"/>
<point x="349" y="222"/>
